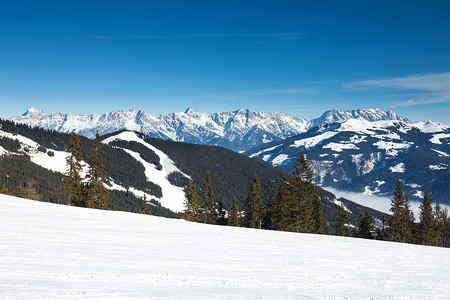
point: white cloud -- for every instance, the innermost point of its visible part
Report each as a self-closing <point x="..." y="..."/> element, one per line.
<point x="428" y="88"/>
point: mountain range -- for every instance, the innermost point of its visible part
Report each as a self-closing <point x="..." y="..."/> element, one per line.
<point x="239" y="130"/>
<point x="362" y="150"/>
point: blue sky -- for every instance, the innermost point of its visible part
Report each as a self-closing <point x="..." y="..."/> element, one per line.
<point x="297" y="57"/>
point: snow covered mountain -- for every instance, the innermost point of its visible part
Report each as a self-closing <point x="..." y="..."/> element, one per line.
<point x="363" y="156"/>
<point x="239" y="130"/>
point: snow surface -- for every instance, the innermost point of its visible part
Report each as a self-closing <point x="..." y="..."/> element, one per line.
<point x="436" y="139"/>
<point x="337" y="147"/>
<point x="398" y="168"/>
<point x="438" y="167"/>
<point x="280" y="159"/>
<point x="441" y="153"/>
<point x="313" y="141"/>
<point x="51" y="251"/>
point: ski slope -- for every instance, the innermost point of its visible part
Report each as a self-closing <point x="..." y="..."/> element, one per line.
<point x="50" y="251"/>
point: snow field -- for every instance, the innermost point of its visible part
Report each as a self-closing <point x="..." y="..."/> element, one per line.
<point x="51" y="251"/>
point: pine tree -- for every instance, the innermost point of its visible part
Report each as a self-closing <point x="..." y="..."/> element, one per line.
<point x="192" y="203"/>
<point x="303" y="197"/>
<point x="254" y="212"/>
<point x="221" y="212"/>
<point x="97" y="194"/>
<point x="426" y="220"/>
<point x="210" y="215"/>
<point x="233" y="216"/>
<point x="31" y="190"/>
<point x="72" y="178"/>
<point x="4" y="190"/>
<point x="21" y="192"/>
<point x="402" y="220"/>
<point x="342" y="222"/>
<point x="280" y="215"/>
<point x="364" y="229"/>
<point x="145" y="207"/>
<point x="439" y="225"/>
<point x="270" y="205"/>
<point x="318" y="218"/>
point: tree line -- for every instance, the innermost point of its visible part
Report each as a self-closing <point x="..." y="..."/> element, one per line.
<point x="294" y="205"/>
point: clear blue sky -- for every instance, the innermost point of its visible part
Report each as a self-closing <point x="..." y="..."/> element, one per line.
<point x="297" y="57"/>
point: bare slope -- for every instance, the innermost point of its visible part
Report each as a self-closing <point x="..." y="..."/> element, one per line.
<point x="51" y="251"/>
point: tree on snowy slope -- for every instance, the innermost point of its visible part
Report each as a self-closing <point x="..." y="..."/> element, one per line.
<point x="221" y="212"/>
<point x="364" y="229"/>
<point x="233" y="216"/>
<point x="209" y="201"/>
<point x="402" y="221"/>
<point x="254" y="212"/>
<point x="192" y="203"/>
<point x="342" y="221"/>
<point x="97" y="194"/>
<point x="441" y="226"/>
<point x="304" y="194"/>
<point x="72" y="178"/>
<point x="426" y="231"/>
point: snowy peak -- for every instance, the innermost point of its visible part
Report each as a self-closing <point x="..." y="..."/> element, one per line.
<point x="33" y="112"/>
<point x="371" y="115"/>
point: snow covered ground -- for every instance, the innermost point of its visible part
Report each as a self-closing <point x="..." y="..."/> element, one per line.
<point x="50" y="251"/>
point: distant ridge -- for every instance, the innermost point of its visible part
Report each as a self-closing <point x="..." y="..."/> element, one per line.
<point x="238" y="130"/>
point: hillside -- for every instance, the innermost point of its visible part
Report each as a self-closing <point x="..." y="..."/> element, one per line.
<point x="368" y="156"/>
<point x="138" y="165"/>
<point x="52" y="251"/>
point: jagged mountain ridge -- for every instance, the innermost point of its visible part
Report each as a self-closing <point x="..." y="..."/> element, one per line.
<point x="368" y="157"/>
<point x="239" y="130"/>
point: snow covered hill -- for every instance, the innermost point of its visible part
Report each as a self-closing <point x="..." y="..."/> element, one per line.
<point x="239" y="130"/>
<point x="363" y="156"/>
<point x="51" y="251"/>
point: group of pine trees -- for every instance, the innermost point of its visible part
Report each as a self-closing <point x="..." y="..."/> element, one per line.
<point x="295" y="207"/>
<point x="432" y="228"/>
<point x="23" y="191"/>
<point x="89" y="191"/>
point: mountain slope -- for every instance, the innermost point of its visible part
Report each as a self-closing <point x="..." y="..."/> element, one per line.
<point x="362" y="156"/>
<point x="53" y="251"/>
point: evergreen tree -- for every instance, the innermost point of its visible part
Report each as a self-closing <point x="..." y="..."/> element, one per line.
<point x="402" y="220"/>
<point x="221" y="212"/>
<point x="364" y="229"/>
<point x="254" y="211"/>
<point x="72" y="178"/>
<point x="280" y="215"/>
<point x="439" y="225"/>
<point x="342" y="221"/>
<point x="233" y="216"/>
<point x="270" y="205"/>
<point x="192" y="203"/>
<point x="97" y="194"/>
<point x="304" y="195"/>
<point x="31" y="191"/>
<point x="210" y="215"/>
<point x="426" y="220"/>
<point x="21" y="192"/>
<point x="319" y="222"/>
<point x="145" y="207"/>
<point x="4" y="190"/>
